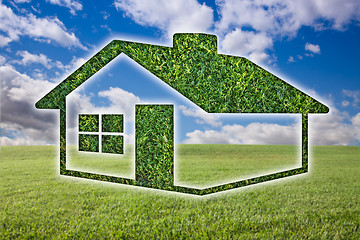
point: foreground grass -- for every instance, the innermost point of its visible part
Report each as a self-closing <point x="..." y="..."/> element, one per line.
<point x="36" y="202"/>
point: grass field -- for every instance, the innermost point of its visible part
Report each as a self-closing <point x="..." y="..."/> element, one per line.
<point x="36" y="202"/>
<point x="193" y="167"/>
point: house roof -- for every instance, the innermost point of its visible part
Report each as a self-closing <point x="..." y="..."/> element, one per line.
<point x="215" y="82"/>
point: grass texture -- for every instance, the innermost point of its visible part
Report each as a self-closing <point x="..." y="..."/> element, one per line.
<point x="112" y="144"/>
<point x="37" y="203"/>
<point x="113" y="123"/>
<point x="89" y="123"/>
<point x="217" y="83"/>
<point x="154" y="149"/>
<point x="228" y="162"/>
<point x="88" y="143"/>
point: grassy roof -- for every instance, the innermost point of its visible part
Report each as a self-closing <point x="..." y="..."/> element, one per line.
<point x="217" y="83"/>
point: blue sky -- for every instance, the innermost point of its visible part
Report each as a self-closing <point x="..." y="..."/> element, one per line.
<point x="312" y="44"/>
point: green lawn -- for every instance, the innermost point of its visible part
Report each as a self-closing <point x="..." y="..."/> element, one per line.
<point x="193" y="168"/>
<point x="36" y="202"/>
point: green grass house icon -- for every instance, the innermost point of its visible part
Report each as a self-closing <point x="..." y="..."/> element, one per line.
<point x="216" y="83"/>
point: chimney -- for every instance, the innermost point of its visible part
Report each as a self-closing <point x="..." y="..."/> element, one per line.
<point x="186" y="42"/>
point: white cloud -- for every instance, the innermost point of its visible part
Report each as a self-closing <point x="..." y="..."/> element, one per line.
<point x="276" y="19"/>
<point x="20" y="87"/>
<point x="312" y="48"/>
<point x="105" y="26"/>
<point x="356" y="120"/>
<point x="247" y="43"/>
<point x="39" y="74"/>
<point x="20" y="141"/>
<point x="324" y="129"/>
<point x="285" y="18"/>
<point x="19" y="93"/>
<point x="264" y="133"/>
<point x="40" y="29"/>
<point x="72" y="5"/>
<point x="65" y="70"/>
<point x="331" y="129"/>
<point x="249" y="13"/>
<point x="247" y="27"/>
<point x="254" y="133"/>
<point x="77" y="101"/>
<point x="2" y="60"/>
<point x="201" y="116"/>
<point x="291" y="59"/>
<point x="121" y="101"/>
<point x="169" y="16"/>
<point x="345" y="103"/>
<point x="37" y="10"/>
<point x="260" y="57"/>
<point x="22" y="1"/>
<point x="75" y="63"/>
<point x="356" y="123"/>
<point x="4" y="41"/>
<point x="209" y="137"/>
<point x="105" y="14"/>
<point x="28" y="58"/>
<point x="354" y="95"/>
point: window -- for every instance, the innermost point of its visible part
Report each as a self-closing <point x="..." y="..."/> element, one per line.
<point x="110" y="138"/>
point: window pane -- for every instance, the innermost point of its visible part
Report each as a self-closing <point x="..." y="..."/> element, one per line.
<point x="88" y="122"/>
<point x="88" y="143"/>
<point x="113" y="144"/>
<point x="112" y="123"/>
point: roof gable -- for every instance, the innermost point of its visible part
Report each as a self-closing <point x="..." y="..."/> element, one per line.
<point x="217" y="83"/>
